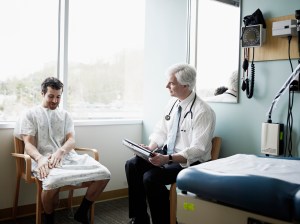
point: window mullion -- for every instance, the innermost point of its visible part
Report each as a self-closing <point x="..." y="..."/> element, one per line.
<point x="63" y="47"/>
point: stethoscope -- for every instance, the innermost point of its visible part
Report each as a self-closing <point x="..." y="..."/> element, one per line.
<point x="168" y="116"/>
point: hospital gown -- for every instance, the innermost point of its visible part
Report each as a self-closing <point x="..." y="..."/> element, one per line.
<point x="50" y="128"/>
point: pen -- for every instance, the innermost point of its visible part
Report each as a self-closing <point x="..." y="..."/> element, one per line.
<point x="153" y="151"/>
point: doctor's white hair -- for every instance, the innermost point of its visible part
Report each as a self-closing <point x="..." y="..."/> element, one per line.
<point x="184" y="73"/>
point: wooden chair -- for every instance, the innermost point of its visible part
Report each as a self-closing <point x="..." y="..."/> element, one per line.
<point x="215" y="151"/>
<point x="23" y="169"/>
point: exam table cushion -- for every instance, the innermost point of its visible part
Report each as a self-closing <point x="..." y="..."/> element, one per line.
<point x="263" y="185"/>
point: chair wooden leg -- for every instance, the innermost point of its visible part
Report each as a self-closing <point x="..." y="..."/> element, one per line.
<point x="173" y="203"/>
<point x="38" y="217"/>
<point x="70" y="196"/>
<point x="16" y="198"/>
<point x="70" y="203"/>
<point x="92" y="213"/>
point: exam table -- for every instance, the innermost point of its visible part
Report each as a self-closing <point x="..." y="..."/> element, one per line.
<point x="240" y="189"/>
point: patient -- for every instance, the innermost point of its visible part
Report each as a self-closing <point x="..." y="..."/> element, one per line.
<point x="220" y="90"/>
<point x="49" y="138"/>
<point x="229" y="95"/>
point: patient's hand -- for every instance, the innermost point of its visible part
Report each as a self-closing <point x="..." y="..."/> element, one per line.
<point x="56" y="158"/>
<point x="43" y="168"/>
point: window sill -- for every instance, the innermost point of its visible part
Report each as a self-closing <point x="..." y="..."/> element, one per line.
<point x="99" y="122"/>
<point x="107" y="122"/>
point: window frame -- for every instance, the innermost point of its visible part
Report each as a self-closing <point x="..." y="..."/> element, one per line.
<point x="62" y="73"/>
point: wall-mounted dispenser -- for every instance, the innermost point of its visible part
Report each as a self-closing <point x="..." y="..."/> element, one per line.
<point x="284" y="28"/>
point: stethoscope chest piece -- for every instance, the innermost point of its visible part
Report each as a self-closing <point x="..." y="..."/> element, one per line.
<point x="167" y="117"/>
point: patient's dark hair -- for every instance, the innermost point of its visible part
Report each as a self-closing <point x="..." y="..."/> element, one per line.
<point x="220" y="90"/>
<point x="52" y="82"/>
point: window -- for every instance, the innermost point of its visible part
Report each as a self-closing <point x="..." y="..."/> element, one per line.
<point x="105" y="68"/>
<point x="28" y="44"/>
<point x="95" y="47"/>
<point x="214" y="43"/>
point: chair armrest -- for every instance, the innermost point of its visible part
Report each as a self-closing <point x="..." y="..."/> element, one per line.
<point x="94" y="152"/>
<point x="27" y="169"/>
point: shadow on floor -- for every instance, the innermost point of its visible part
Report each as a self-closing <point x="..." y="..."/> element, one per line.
<point x="106" y="212"/>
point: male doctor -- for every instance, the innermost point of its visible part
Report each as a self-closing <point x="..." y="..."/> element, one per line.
<point x="194" y="122"/>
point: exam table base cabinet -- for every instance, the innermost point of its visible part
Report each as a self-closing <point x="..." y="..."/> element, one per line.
<point x="194" y="210"/>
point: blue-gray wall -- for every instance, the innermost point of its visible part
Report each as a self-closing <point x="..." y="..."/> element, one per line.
<point x="238" y="124"/>
<point x="165" y="44"/>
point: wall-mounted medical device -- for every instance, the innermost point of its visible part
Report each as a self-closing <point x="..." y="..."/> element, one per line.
<point x="254" y="31"/>
<point x="253" y="36"/>
<point x="272" y="139"/>
<point x="284" y="28"/>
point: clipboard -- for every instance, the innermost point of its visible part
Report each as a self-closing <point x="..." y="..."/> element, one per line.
<point x="137" y="149"/>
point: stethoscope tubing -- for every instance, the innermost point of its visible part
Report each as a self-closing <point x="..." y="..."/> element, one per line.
<point x="168" y="116"/>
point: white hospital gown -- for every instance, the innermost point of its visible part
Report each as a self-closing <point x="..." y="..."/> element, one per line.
<point x="50" y="128"/>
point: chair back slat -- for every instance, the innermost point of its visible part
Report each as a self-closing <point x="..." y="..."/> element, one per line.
<point x="19" y="145"/>
<point x="19" y="148"/>
<point x="216" y="147"/>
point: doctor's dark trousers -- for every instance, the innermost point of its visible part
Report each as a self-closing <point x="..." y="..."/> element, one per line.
<point x="147" y="182"/>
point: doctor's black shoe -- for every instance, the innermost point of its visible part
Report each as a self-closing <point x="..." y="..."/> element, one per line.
<point x="136" y="221"/>
<point x="81" y="219"/>
<point x="131" y="221"/>
<point x="49" y="218"/>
